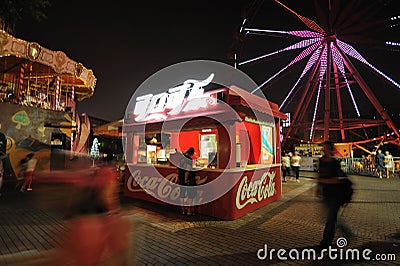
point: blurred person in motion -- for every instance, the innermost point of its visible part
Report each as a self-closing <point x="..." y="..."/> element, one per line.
<point x="21" y="173"/>
<point x="97" y="231"/>
<point x="336" y="190"/>
<point x="31" y="163"/>
<point x="2" y="156"/>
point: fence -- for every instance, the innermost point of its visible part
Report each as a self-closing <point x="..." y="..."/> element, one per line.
<point x="363" y="166"/>
<point x="359" y="166"/>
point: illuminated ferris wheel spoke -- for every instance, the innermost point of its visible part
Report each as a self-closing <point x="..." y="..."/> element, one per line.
<point x="323" y="63"/>
<point x="305" y="34"/>
<point x="257" y="58"/>
<point x="298" y="33"/>
<point x="308" y="22"/>
<point x="339" y="62"/>
<point x="305" y="53"/>
<point x="313" y="59"/>
<point x="305" y="100"/>
<point x="298" y="58"/>
<point x="258" y="31"/>
<point x="298" y="45"/>
<point x="271" y="78"/>
<point x="351" y="51"/>
<point x="315" y="112"/>
<point x="323" y="66"/>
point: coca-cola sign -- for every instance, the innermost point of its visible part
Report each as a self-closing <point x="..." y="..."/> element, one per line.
<point x="158" y="186"/>
<point x="158" y="107"/>
<point x="256" y="190"/>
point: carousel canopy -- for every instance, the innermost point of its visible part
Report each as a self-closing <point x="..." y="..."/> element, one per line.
<point x="37" y="68"/>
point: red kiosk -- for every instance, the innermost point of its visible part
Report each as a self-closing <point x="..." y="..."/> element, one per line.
<point x="237" y="155"/>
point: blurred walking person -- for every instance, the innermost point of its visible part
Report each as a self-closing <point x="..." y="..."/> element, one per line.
<point x="21" y="173"/>
<point x="336" y="191"/>
<point x="2" y="156"/>
<point x="97" y="231"/>
<point x="30" y="168"/>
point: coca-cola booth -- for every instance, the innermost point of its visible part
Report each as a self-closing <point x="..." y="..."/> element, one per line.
<point x="237" y="156"/>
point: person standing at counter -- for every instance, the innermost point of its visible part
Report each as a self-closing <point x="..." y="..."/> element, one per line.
<point x="187" y="181"/>
<point x="295" y="164"/>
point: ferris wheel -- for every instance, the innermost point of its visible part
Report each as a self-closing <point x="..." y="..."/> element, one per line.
<point x="319" y="66"/>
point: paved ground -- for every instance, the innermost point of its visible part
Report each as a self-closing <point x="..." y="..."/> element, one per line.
<point x="30" y="225"/>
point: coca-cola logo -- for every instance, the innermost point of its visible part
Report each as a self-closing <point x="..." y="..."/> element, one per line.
<point x="151" y="106"/>
<point x="255" y="191"/>
<point x="158" y="186"/>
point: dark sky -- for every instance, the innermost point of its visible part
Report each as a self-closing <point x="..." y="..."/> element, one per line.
<point x="124" y="42"/>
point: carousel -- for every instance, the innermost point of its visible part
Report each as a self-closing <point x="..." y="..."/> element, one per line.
<point x="38" y="93"/>
<point x="36" y="76"/>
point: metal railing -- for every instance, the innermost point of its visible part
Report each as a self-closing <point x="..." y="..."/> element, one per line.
<point x="362" y="166"/>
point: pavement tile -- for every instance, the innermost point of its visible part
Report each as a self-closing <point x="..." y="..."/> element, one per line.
<point x="30" y="227"/>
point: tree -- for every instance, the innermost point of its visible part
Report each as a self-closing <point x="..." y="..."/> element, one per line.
<point x="14" y="11"/>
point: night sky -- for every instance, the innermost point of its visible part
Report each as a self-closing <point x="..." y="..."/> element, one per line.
<point x="124" y="45"/>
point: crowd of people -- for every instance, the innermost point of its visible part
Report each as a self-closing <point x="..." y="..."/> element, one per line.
<point x="379" y="164"/>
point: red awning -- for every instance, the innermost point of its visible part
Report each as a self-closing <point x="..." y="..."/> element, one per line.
<point x="253" y="101"/>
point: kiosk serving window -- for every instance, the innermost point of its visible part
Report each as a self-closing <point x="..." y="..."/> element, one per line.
<point x="152" y="148"/>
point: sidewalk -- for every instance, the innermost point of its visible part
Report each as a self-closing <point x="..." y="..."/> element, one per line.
<point x="30" y="224"/>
